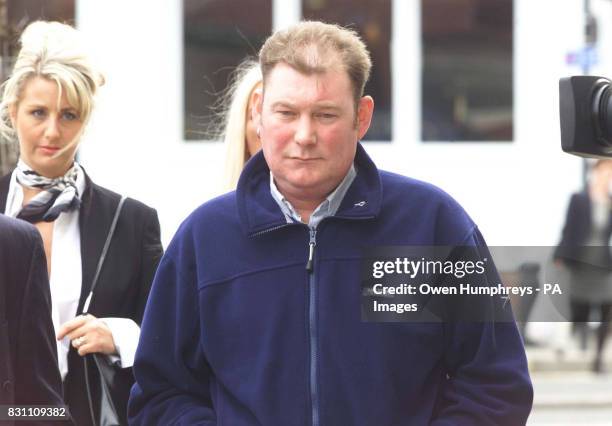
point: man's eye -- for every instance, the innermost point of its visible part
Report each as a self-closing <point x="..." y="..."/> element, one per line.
<point x="285" y="113"/>
<point x="327" y="116"/>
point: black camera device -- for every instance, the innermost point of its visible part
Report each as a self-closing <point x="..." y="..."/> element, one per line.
<point x="585" y="104"/>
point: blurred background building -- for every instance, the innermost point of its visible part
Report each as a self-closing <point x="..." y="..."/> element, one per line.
<point x="466" y="95"/>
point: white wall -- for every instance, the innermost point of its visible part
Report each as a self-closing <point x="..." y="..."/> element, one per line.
<point x="134" y="145"/>
<point x="517" y="192"/>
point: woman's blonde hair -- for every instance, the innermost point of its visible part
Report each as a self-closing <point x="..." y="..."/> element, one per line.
<point x="246" y="77"/>
<point x="54" y="51"/>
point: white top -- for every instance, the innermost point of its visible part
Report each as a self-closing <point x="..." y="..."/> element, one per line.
<point x="66" y="279"/>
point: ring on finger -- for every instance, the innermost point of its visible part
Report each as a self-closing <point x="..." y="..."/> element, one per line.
<point x="79" y="341"/>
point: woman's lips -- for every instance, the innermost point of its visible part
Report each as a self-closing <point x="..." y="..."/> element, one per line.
<point x="49" y="149"/>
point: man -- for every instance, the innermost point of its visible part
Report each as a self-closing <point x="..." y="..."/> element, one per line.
<point x="254" y="317"/>
<point x="29" y="374"/>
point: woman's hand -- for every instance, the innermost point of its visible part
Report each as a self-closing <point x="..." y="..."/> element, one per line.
<point x="88" y="335"/>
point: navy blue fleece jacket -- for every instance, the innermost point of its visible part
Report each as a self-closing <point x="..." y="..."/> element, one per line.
<point x="238" y="332"/>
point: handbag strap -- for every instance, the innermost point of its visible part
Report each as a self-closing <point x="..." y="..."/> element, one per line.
<point x="109" y="237"/>
<point x="94" y="282"/>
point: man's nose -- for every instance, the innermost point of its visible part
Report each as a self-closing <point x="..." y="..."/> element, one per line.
<point x="52" y="131"/>
<point x="305" y="133"/>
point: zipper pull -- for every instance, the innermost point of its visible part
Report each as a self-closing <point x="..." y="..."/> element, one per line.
<point x="311" y="244"/>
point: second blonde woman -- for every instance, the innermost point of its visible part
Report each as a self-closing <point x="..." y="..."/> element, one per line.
<point x="240" y="133"/>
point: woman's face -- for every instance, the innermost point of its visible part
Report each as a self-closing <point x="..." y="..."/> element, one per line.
<point x="45" y="129"/>
<point x="253" y="143"/>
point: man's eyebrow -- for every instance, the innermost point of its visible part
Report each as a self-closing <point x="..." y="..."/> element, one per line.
<point x="327" y="105"/>
<point x="285" y="104"/>
<point x="318" y="105"/>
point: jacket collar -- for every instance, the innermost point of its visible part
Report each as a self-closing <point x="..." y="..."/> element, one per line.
<point x="93" y="224"/>
<point x="4" y="190"/>
<point x="258" y="211"/>
<point x="95" y="216"/>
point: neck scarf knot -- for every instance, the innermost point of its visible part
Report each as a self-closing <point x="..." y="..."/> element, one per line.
<point x="58" y="194"/>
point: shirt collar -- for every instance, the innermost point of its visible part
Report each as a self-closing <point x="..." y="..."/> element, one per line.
<point x="327" y="208"/>
<point x="259" y="212"/>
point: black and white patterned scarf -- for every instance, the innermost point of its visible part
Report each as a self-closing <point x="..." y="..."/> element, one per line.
<point x="58" y="195"/>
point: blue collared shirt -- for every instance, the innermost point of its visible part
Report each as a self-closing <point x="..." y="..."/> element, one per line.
<point x="328" y="207"/>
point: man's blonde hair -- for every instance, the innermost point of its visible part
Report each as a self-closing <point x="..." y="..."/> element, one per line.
<point x="315" y="47"/>
<point x="53" y="51"/>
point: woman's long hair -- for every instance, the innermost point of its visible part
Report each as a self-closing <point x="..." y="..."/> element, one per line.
<point x="237" y="97"/>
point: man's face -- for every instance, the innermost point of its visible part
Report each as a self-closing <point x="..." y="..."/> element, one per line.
<point x="309" y="129"/>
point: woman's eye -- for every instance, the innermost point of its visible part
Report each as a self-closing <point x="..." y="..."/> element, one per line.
<point x="38" y="113"/>
<point x="70" y="116"/>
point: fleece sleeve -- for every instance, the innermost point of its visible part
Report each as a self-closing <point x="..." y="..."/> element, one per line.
<point x="173" y="379"/>
<point x="487" y="381"/>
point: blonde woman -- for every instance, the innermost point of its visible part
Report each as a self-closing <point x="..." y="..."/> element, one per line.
<point x="240" y="133"/>
<point x="46" y="104"/>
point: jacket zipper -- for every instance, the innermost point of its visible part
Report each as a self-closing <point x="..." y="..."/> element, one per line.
<point x="313" y="327"/>
<point x="265" y="231"/>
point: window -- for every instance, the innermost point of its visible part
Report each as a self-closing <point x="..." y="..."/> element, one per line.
<point x="372" y="20"/>
<point x="218" y="35"/>
<point x="15" y="15"/>
<point x="467" y="70"/>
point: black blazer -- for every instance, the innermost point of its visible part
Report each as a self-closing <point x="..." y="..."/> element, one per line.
<point x="124" y="281"/>
<point x="28" y="356"/>
<point x="578" y="223"/>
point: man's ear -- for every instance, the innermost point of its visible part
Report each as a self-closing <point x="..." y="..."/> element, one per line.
<point x="256" y="105"/>
<point x="365" y="109"/>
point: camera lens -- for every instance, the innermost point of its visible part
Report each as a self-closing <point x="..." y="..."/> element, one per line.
<point x="601" y="110"/>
